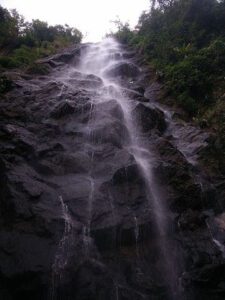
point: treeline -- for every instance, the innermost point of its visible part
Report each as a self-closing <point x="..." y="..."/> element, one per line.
<point x="185" y="41"/>
<point x="22" y="42"/>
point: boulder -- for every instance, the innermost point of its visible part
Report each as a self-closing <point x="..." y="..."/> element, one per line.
<point x="111" y="109"/>
<point x="152" y="91"/>
<point x="150" y="118"/>
<point x="134" y="95"/>
<point x="123" y="69"/>
<point x="88" y="82"/>
<point x="109" y="131"/>
<point x="65" y="56"/>
<point x="64" y="163"/>
<point x="63" y="109"/>
<point x="174" y="171"/>
<point x="69" y="107"/>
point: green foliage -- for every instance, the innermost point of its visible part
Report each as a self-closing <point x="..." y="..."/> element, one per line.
<point x="124" y="33"/>
<point x="185" y="41"/>
<point x="8" y="28"/>
<point x="21" y="43"/>
<point x="191" y="76"/>
<point x="36" y="68"/>
<point x="23" y="56"/>
<point x="187" y="103"/>
<point x="8" y="62"/>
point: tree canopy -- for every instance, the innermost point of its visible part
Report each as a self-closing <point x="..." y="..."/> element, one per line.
<point x="22" y="42"/>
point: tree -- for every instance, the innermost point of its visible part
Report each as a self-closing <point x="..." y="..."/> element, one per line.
<point x="163" y="4"/>
<point x="8" y="29"/>
<point x="21" y="42"/>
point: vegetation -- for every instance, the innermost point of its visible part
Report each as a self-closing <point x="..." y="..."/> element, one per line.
<point x="21" y="42"/>
<point x="185" y="41"/>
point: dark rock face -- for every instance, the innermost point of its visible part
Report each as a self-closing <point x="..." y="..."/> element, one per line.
<point x="77" y="215"/>
<point x="123" y="70"/>
<point x="149" y="118"/>
<point x="63" y="109"/>
<point x="177" y="173"/>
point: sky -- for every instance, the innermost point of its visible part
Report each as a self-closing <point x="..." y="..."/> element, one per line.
<point x="92" y="17"/>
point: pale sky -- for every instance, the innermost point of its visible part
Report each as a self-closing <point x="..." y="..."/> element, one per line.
<point x="92" y="17"/>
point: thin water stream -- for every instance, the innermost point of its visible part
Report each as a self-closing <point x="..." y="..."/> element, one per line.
<point x="61" y="257"/>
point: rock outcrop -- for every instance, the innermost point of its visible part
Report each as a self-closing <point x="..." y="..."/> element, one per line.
<point x="66" y="159"/>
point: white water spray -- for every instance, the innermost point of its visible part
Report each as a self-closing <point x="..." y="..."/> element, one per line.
<point x="97" y="60"/>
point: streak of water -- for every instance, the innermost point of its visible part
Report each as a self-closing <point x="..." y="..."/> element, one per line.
<point x="87" y="227"/>
<point x="117" y="291"/>
<point x="220" y="246"/>
<point x="61" y="257"/>
<point x="136" y="233"/>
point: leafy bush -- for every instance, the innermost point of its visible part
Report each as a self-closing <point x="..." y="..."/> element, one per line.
<point x="8" y="62"/>
<point x="124" y="34"/>
<point x="191" y="76"/>
<point x="39" y="69"/>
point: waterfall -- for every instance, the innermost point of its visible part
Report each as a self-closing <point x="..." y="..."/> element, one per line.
<point x="96" y="60"/>
<point x="97" y="64"/>
<point x="106" y="195"/>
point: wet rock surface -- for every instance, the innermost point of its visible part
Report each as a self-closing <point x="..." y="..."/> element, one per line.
<point x="149" y="118"/>
<point x="66" y="159"/>
<point x="123" y="70"/>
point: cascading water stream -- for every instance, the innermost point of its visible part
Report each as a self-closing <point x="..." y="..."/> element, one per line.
<point x="95" y="61"/>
